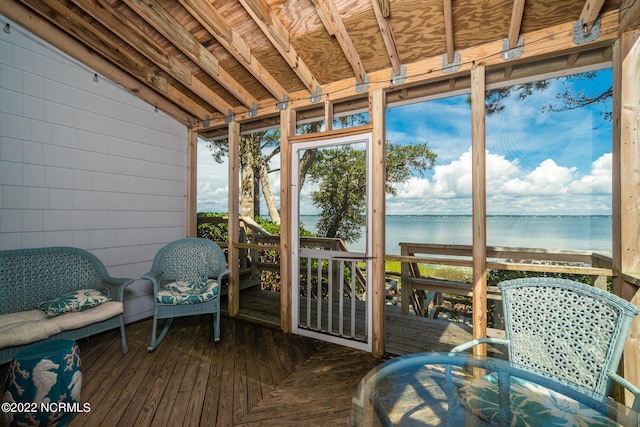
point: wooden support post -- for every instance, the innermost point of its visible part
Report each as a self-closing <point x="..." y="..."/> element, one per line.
<point x="234" y="222"/>
<point x="377" y="113"/>
<point x="192" y="183"/>
<point x="328" y="115"/>
<point x="626" y="180"/>
<point x="479" y="220"/>
<point x="287" y="130"/>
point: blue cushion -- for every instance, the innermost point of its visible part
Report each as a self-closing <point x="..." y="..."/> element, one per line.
<point x="79" y="300"/>
<point x="187" y="292"/>
<point x="531" y="405"/>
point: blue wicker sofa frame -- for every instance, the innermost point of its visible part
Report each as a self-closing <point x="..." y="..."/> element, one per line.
<point x="29" y="276"/>
<point x="191" y="260"/>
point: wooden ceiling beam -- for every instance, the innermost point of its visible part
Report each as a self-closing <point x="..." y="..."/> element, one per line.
<point x="215" y="24"/>
<point x="590" y="12"/>
<point x="382" y="10"/>
<point x="129" y="31"/>
<point x="546" y="43"/>
<point x="40" y="27"/>
<point x="162" y="21"/>
<point x="264" y="16"/>
<point x="58" y="14"/>
<point x="516" y="21"/>
<point x="629" y="15"/>
<point x="448" y="30"/>
<point x="273" y="28"/>
<point x="335" y="26"/>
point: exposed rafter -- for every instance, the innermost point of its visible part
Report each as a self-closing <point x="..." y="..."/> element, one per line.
<point x="271" y="26"/>
<point x="155" y="15"/>
<point x="215" y="23"/>
<point x="211" y="61"/>
<point x="126" y="30"/>
<point x="558" y="37"/>
<point x="514" y="30"/>
<point x="590" y="12"/>
<point x="108" y="49"/>
<point x="43" y="28"/>
<point x="448" y="26"/>
<point x="332" y="20"/>
<point x="629" y="15"/>
<point x="383" y="16"/>
<point x="516" y="22"/>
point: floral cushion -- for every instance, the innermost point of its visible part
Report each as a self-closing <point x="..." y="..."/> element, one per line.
<point x="187" y="292"/>
<point x="531" y="405"/>
<point x="79" y="300"/>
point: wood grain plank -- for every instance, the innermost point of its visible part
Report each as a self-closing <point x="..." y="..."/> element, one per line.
<point x="254" y="376"/>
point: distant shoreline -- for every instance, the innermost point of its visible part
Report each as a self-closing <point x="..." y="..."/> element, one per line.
<point x="488" y="216"/>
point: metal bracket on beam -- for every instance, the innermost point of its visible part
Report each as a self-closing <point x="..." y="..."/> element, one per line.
<point x="364" y="86"/>
<point x="318" y="96"/>
<point x="206" y="121"/>
<point x="451" y="68"/>
<point x="228" y="117"/>
<point x="189" y="124"/>
<point x="582" y="33"/>
<point x="254" y="111"/>
<point x="398" y="80"/>
<point x="512" y="53"/>
<point x="284" y="104"/>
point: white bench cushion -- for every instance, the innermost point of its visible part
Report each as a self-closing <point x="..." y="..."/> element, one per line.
<point x="25" y="327"/>
<point x="33" y="325"/>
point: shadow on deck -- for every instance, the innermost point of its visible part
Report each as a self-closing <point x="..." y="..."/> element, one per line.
<point x="256" y="375"/>
<point x="253" y="376"/>
<point x="404" y="335"/>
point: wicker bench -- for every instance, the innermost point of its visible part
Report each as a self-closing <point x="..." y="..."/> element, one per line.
<point x="52" y="293"/>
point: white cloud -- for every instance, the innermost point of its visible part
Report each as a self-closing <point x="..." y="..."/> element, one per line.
<point x="547" y="178"/>
<point x="547" y="189"/>
<point x="599" y="181"/>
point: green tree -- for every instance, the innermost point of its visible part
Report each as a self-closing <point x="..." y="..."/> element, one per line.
<point x="341" y="177"/>
<point x="256" y="150"/>
<point x="572" y="96"/>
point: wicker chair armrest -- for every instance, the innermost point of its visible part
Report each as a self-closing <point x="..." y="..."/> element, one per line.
<point x="150" y="275"/>
<point x="118" y="284"/>
<point x="222" y="275"/>
<point x="471" y="344"/>
<point x="153" y="277"/>
<point x="632" y="388"/>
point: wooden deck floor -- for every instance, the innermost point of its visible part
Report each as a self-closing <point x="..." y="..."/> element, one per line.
<point x="253" y="376"/>
<point x="404" y="334"/>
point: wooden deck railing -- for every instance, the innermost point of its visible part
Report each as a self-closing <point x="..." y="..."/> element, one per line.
<point x="415" y="288"/>
<point x="254" y="239"/>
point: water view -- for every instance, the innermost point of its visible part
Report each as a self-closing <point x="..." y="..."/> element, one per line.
<point x="591" y="233"/>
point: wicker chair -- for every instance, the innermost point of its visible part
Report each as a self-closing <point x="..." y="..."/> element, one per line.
<point x="570" y="331"/>
<point x="186" y="276"/>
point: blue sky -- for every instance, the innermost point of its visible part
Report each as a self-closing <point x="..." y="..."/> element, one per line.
<point x="552" y="163"/>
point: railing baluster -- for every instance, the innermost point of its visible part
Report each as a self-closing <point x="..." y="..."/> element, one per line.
<point x="330" y="296"/>
<point x="352" y="299"/>
<point x="319" y="296"/>
<point x="341" y="300"/>
<point x="309" y="281"/>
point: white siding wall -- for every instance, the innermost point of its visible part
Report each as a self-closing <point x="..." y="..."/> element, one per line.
<point x="86" y="164"/>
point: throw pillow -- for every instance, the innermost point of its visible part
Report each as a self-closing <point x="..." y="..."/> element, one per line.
<point x="79" y="300"/>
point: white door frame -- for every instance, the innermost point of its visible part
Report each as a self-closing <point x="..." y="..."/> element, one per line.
<point x="365" y="138"/>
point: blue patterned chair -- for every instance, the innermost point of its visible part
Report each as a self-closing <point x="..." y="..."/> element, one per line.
<point x="569" y="331"/>
<point x="186" y="276"/>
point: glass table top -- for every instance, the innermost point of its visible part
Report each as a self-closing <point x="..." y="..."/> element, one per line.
<point x="459" y="389"/>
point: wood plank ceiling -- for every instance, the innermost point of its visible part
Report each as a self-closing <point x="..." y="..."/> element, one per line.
<point x="204" y="61"/>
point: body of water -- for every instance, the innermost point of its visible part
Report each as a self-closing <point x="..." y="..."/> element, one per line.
<point x="591" y="233"/>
